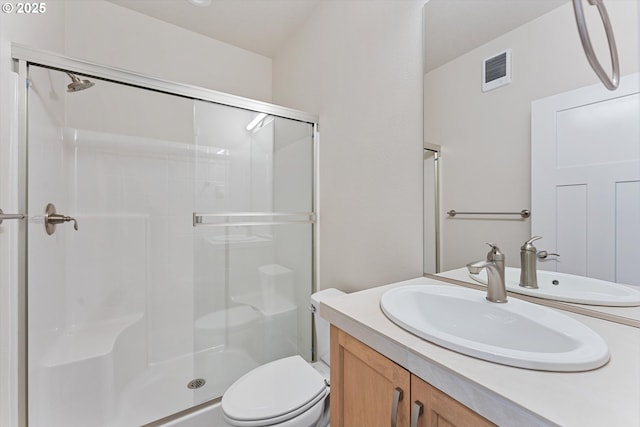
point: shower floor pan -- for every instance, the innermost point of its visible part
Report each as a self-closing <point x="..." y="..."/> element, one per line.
<point x="165" y="385"/>
<point x="99" y="376"/>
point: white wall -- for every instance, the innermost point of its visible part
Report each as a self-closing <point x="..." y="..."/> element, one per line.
<point x="485" y="138"/>
<point x="103" y="32"/>
<point x="358" y="65"/>
<point x="99" y="31"/>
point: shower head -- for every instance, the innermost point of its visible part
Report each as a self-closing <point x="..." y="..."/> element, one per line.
<point x="77" y="85"/>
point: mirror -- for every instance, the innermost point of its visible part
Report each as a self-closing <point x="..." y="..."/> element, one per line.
<point x="485" y="136"/>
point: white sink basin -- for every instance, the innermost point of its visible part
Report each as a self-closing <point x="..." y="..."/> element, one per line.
<point x="570" y="288"/>
<point x="516" y="333"/>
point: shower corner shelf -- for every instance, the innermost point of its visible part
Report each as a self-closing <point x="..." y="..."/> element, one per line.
<point x="267" y="304"/>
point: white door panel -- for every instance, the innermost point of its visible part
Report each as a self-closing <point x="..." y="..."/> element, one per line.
<point x="585" y="171"/>
<point x="572" y="222"/>
<point x="627" y="231"/>
<point x="599" y="145"/>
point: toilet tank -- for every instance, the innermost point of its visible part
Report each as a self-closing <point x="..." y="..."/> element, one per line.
<point x="321" y="325"/>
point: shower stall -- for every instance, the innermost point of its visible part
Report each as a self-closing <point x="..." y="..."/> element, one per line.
<point x="169" y="241"/>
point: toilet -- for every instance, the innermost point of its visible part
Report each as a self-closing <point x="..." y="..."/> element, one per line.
<point x="288" y="392"/>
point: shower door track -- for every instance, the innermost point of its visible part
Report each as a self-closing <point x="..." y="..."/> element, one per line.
<point x="24" y="56"/>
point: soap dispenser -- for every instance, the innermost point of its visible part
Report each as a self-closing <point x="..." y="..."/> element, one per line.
<point x="528" y="267"/>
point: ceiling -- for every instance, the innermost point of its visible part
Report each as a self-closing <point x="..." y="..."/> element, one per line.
<point x="452" y="27"/>
<point x="260" y="26"/>
<point x="455" y="27"/>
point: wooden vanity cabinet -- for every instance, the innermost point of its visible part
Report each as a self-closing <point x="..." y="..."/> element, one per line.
<point x="363" y="385"/>
<point x="441" y="410"/>
<point x="369" y="390"/>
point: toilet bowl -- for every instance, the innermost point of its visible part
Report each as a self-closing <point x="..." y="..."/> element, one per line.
<point x="287" y="392"/>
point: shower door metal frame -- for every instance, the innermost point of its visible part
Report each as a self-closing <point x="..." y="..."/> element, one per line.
<point x="436" y="151"/>
<point x="117" y="75"/>
<point x="24" y="56"/>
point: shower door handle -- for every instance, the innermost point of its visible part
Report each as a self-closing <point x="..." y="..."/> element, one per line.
<point x="51" y="219"/>
<point x="4" y="216"/>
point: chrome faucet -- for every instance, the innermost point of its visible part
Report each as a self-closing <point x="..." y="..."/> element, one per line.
<point x="528" y="263"/>
<point x="494" y="264"/>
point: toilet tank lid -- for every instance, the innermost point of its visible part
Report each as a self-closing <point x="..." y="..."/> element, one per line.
<point x="324" y="295"/>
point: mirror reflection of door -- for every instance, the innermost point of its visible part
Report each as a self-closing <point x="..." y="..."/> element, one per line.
<point x="431" y="223"/>
<point x="585" y="168"/>
<point x="487" y="135"/>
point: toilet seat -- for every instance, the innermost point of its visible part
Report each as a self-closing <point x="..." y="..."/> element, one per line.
<point x="273" y="393"/>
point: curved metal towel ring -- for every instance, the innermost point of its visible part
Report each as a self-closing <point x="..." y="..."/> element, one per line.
<point x="610" y="83"/>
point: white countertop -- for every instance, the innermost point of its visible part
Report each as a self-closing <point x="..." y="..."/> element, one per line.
<point x="609" y="396"/>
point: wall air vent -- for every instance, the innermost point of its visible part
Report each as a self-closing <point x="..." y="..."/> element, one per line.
<point x="496" y="71"/>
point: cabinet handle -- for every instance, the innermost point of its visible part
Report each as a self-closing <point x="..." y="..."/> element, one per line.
<point x="397" y="397"/>
<point x="416" y="411"/>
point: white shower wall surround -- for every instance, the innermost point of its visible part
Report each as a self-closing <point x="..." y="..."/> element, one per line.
<point x="126" y="311"/>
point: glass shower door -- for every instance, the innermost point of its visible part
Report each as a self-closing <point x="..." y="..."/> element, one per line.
<point x="192" y="260"/>
<point x="110" y="306"/>
<point x="253" y="242"/>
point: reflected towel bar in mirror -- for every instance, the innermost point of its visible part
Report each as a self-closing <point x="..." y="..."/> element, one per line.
<point x="524" y="213"/>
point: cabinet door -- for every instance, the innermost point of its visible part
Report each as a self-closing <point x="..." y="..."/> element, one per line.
<point x="366" y="386"/>
<point x="440" y="410"/>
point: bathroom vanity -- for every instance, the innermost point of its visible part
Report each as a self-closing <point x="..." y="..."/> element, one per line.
<point x="357" y="367"/>
<point x="376" y="365"/>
